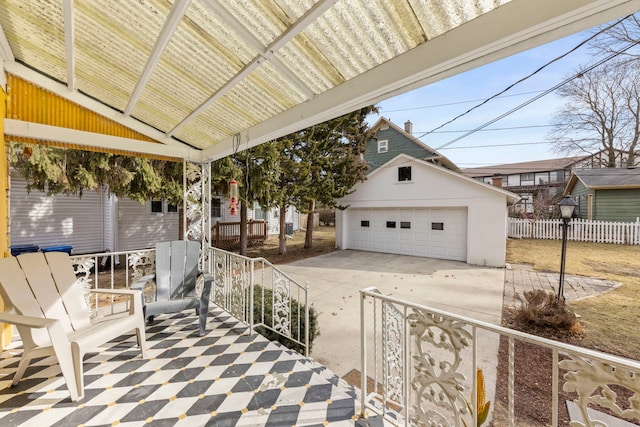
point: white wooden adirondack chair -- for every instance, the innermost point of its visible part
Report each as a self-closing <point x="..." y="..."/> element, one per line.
<point x="51" y="314"/>
<point x="173" y="286"/>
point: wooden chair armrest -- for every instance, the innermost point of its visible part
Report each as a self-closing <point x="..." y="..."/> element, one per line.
<point x="26" y="321"/>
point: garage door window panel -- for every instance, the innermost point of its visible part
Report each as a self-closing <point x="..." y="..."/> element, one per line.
<point x="437" y="226"/>
<point x="420" y="239"/>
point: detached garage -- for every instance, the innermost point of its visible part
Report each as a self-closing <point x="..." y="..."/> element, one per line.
<point x="413" y="207"/>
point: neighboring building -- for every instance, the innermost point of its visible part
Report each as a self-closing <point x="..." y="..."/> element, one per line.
<point x="541" y="183"/>
<point x="415" y="202"/>
<point x="221" y="212"/>
<point x="92" y="223"/>
<point x="606" y="194"/>
<point x="391" y="140"/>
<point x="544" y="180"/>
<point x="98" y="221"/>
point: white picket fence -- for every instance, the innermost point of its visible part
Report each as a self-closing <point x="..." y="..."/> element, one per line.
<point x="582" y="230"/>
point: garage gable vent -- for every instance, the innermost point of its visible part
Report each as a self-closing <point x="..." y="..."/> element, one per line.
<point x="404" y="173"/>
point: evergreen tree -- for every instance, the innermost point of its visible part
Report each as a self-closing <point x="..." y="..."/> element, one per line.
<point x="329" y="162"/>
<point x="256" y="170"/>
<point x="58" y="170"/>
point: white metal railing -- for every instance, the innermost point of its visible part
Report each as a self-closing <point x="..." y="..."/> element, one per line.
<point x="583" y="230"/>
<point x="242" y="286"/>
<point x="261" y="295"/>
<point x="105" y="270"/>
<point x="419" y="368"/>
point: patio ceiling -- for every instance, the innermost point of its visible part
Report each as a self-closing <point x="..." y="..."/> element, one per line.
<point x="206" y="77"/>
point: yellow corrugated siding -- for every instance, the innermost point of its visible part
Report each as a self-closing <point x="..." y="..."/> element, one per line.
<point x="4" y="181"/>
<point x="5" y="330"/>
<point x="28" y="102"/>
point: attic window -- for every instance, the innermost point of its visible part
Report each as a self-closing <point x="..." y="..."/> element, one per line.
<point x="404" y="173"/>
<point x="383" y="146"/>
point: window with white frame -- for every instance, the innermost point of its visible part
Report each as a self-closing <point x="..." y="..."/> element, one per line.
<point x="383" y="146"/>
<point x="258" y="212"/>
<point x="527" y="179"/>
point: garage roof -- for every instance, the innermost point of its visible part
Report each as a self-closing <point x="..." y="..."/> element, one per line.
<point x="203" y="77"/>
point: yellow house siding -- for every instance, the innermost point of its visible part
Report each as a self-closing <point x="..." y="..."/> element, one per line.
<point x="30" y="103"/>
<point x="5" y="330"/>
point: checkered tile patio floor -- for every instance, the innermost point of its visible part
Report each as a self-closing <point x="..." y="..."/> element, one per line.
<point x="227" y="378"/>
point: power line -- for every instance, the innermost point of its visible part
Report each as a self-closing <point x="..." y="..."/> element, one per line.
<point x="576" y="47"/>
<point x="488" y="130"/>
<point x="448" y="104"/>
<point x="546" y="92"/>
<point x="502" y="145"/>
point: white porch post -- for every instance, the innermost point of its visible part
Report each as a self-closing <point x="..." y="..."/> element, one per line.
<point x="197" y="206"/>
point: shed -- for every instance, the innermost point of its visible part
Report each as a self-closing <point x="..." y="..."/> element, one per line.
<point x="608" y="194"/>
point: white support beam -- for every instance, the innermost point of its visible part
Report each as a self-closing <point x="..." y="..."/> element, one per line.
<point x="511" y="28"/>
<point x="305" y="20"/>
<point x="39" y="131"/>
<point x="248" y="69"/>
<point x="173" y="20"/>
<point x="93" y="105"/>
<point x="6" y="54"/>
<point x="69" y="42"/>
<point x="257" y="45"/>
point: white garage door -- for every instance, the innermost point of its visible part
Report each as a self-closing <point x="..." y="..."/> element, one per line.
<point x="428" y="232"/>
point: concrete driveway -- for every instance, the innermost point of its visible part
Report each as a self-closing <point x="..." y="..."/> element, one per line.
<point x="336" y="278"/>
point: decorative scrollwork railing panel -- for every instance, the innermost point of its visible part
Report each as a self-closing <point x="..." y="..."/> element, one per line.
<point x="437" y="379"/>
<point x="257" y="292"/>
<point x="444" y="384"/>
<point x="595" y="381"/>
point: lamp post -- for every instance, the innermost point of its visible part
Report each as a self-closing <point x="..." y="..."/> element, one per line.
<point x="567" y="207"/>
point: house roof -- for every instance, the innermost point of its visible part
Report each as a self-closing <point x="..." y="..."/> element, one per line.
<point x="605" y="179"/>
<point x="430" y="154"/>
<point x="404" y="158"/>
<point x="523" y="167"/>
<point x="206" y="77"/>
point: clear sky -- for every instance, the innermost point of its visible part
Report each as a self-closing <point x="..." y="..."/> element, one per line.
<point x="435" y="104"/>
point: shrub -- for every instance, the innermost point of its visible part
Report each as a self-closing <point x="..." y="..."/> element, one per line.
<point x="327" y="216"/>
<point x="295" y="305"/>
<point x="540" y="309"/>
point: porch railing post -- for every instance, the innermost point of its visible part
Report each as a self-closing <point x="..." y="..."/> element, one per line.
<point x="363" y="358"/>
<point x="306" y="320"/>
<point x="251" y="290"/>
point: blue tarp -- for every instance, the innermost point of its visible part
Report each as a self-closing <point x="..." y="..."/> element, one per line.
<point x="21" y="249"/>
<point x="59" y="248"/>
